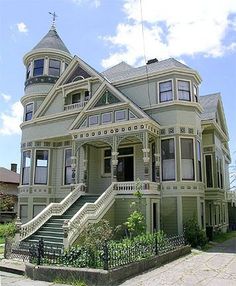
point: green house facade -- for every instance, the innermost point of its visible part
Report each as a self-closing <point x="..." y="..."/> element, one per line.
<point x="90" y="139"/>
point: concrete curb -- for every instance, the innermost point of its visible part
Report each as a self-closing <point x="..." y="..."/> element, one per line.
<point x="12" y="269"/>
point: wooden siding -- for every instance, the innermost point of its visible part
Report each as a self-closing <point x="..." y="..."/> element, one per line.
<point x="169" y="215"/>
<point x="189" y="208"/>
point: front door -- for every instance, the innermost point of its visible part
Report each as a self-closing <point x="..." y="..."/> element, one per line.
<point x="125" y="169"/>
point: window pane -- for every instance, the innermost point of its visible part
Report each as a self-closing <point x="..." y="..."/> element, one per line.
<point x="68" y="153"/>
<point x="76" y="97"/>
<point x="26" y="162"/>
<point x="93" y="120"/>
<point x="106" y="117"/>
<point x="41" y="169"/>
<point x="199" y="161"/>
<point x="29" y="107"/>
<point x="107" y="153"/>
<point x="168" y="159"/>
<point x="68" y="175"/>
<point x="107" y="166"/>
<point x="187" y="156"/>
<point x="184" y="90"/>
<point x="209" y="171"/>
<point x="120" y="115"/>
<point x="126" y="151"/>
<point x="54" y="64"/>
<point x="38" y="67"/>
<point x="41" y="175"/>
<point x="165" y="91"/>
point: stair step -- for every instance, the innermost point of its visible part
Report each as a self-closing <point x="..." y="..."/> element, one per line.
<point x="50" y="233"/>
<point x="47" y="238"/>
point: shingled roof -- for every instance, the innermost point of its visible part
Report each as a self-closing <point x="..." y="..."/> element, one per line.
<point x="7" y="176"/>
<point x="123" y="71"/>
<point x="52" y="41"/>
<point x="209" y="104"/>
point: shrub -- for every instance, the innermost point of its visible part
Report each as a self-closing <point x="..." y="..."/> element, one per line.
<point x="7" y="230"/>
<point x="193" y="234"/>
<point x="135" y="223"/>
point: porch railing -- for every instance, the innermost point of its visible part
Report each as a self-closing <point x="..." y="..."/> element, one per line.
<point x="77" y="105"/>
<point x="142" y="186"/>
<point x="52" y="209"/>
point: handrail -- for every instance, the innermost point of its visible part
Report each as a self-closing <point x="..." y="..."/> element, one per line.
<point x="90" y="212"/>
<point x="52" y="209"/>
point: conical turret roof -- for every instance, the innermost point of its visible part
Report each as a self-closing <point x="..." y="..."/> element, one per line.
<point x="52" y="41"/>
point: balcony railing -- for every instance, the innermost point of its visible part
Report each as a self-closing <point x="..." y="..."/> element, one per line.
<point x="131" y="187"/>
<point x="77" y="105"/>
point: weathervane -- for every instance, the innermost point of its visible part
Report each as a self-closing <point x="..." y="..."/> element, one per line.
<point x="53" y="19"/>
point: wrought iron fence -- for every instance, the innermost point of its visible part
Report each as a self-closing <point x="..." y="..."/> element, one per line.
<point x="111" y="255"/>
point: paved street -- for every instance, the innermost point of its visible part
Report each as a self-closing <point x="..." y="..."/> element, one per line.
<point x="217" y="267"/>
<point x="9" y="279"/>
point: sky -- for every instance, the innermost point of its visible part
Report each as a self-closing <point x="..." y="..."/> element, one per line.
<point x="201" y="34"/>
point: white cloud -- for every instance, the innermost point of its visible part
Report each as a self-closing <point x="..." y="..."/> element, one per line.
<point x="93" y="3"/>
<point x="22" y="28"/>
<point x="172" y="29"/>
<point x="10" y="121"/>
<point x="5" y="97"/>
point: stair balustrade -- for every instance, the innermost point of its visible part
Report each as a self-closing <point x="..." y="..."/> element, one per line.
<point x="52" y="209"/>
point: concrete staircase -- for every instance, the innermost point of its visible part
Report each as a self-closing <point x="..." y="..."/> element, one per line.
<point x="51" y="232"/>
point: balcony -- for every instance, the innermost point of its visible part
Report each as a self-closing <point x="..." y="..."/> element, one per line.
<point x="77" y="105"/>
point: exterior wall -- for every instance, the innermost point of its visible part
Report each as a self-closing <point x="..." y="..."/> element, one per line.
<point x="189" y="208"/>
<point x="169" y="221"/>
<point x="56" y="106"/>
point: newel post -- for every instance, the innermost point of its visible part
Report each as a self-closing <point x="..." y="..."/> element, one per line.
<point x="65" y="228"/>
<point x="18" y="230"/>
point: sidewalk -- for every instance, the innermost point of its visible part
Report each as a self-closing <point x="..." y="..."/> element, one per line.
<point x="12" y="266"/>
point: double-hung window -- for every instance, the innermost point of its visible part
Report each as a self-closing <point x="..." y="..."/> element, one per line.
<point x="28" y="71"/>
<point x="107" y="161"/>
<point x="208" y="163"/>
<point x="38" y="67"/>
<point x="28" y="111"/>
<point x="54" y="68"/>
<point x="199" y="160"/>
<point x="168" y="159"/>
<point x="187" y="159"/>
<point x="41" y="167"/>
<point x="165" y="91"/>
<point x="68" y="169"/>
<point x="26" y="162"/>
<point x="184" y="90"/>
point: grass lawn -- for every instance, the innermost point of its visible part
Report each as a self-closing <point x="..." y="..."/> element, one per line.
<point x="2" y="240"/>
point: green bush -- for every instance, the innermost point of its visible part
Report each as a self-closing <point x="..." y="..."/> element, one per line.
<point x="7" y="230"/>
<point x="135" y="223"/>
<point x="193" y="234"/>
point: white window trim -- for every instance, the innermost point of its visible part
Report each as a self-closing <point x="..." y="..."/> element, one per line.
<point x="190" y="90"/>
<point x="31" y="102"/>
<point x="194" y="159"/>
<point x="64" y="166"/>
<point x="34" y="167"/>
<point x="158" y="91"/>
<point x="31" y="162"/>
<point x="166" y="181"/>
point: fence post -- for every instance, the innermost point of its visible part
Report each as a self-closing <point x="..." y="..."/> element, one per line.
<point x="105" y="255"/>
<point x="40" y="251"/>
<point x="156" y="244"/>
<point x="18" y="229"/>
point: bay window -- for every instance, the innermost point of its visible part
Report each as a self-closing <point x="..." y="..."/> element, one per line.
<point x="168" y="159"/>
<point x="41" y="167"/>
<point x="26" y="162"/>
<point x="208" y="163"/>
<point x="165" y="91"/>
<point x="199" y="161"/>
<point x="184" y="90"/>
<point x="68" y="169"/>
<point x="29" y="111"/>
<point x="187" y="159"/>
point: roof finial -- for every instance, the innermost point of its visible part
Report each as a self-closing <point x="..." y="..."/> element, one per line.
<point x="53" y="19"/>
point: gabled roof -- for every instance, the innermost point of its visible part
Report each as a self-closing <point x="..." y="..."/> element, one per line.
<point x="51" y="41"/>
<point x="7" y="176"/>
<point x="124" y="71"/>
<point x="209" y="104"/>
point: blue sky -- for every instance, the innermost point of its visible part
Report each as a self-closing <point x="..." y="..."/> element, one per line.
<point x="200" y="33"/>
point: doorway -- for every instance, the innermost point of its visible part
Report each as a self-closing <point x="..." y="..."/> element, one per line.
<point x="125" y="169"/>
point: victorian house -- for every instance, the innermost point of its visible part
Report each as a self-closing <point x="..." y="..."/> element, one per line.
<point x="90" y="139"/>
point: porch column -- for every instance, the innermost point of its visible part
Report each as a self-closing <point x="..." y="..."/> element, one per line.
<point x="85" y="165"/>
<point x="114" y="161"/>
<point x="74" y="164"/>
<point x="146" y="157"/>
<point x="157" y="160"/>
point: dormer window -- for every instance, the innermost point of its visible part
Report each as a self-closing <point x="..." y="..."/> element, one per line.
<point x="38" y="67"/>
<point x="184" y="90"/>
<point x="54" y="68"/>
<point x="28" y="111"/>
